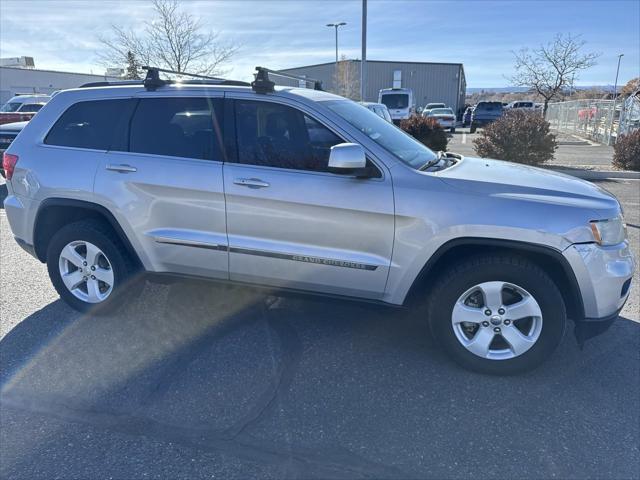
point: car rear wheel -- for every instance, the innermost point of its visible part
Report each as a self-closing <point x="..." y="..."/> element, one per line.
<point x="497" y="314"/>
<point x="89" y="267"/>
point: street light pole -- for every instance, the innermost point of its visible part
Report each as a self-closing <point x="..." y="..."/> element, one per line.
<point x="363" y="62"/>
<point x="615" y="99"/>
<point x="336" y="26"/>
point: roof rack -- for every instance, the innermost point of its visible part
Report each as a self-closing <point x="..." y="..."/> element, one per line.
<point x="152" y="80"/>
<point x="262" y="83"/>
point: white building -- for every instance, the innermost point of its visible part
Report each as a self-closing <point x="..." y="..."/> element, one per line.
<point x="30" y="80"/>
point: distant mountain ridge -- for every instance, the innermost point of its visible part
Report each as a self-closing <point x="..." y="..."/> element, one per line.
<point x="524" y="89"/>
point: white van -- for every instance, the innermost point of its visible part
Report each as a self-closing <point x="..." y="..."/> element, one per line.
<point x="399" y="101"/>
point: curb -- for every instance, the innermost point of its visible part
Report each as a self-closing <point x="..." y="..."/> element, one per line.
<point x="573" y="142"/>
<point x="596" y="174"/>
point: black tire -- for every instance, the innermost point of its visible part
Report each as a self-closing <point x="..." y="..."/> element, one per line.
<point x="472" y="129"/>
<point x="103" y="237"/>
<point x="511" y="269"/>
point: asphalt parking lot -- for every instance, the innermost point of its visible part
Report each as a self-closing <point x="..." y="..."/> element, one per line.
<point x="195" y="381"/>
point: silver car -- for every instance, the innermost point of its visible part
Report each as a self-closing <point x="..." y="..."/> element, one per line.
<point x="301" y="190"/>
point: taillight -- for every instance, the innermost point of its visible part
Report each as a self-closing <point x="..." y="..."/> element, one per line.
<point x="9" y="164"/>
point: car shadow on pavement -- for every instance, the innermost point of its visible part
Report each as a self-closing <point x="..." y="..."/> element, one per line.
<point x="244" y="384"/>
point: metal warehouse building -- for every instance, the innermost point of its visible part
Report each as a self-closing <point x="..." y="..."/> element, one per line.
<point x="430" y="82"/>
<point x="29" y="80"/>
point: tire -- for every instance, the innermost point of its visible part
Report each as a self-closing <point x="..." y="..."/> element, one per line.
<point x="472" y="129"/>
<point x="519" y="281"/>
<point x="82" y="241"/>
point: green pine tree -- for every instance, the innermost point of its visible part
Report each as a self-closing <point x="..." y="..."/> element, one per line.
<point x="133" y="69"/>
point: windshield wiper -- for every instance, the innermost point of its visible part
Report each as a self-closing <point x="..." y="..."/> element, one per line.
<point x="432" y="162"/>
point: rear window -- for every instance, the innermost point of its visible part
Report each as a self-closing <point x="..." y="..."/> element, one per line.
<point x="395" y="100"/>
<point x="441" y="111"/>
<point x="177" y="127"/>
<point x="489" y="106"/>
<point x="91" y="124"/>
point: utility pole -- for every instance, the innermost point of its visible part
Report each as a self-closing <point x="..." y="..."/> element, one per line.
<point x="336" y="26"/>
<point x="615" y="100"/>
<point x="363" y="62"/>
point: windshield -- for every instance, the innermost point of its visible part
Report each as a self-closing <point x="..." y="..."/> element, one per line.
<point x="434" y="105"/>
<point x="395" y="141"/>
<point x="10" y="107"/>
<point x="395" y="100"/>
<point x="441" y="111"/>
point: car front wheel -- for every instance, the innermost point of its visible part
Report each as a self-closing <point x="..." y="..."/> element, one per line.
<point x="497" y="314"/>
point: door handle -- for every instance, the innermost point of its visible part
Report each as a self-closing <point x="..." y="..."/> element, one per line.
<point x="122" y="168"/>
<point x="251" y="182"/>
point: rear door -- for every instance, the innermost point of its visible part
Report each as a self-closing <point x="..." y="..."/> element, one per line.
<point x="163" y="181"/>
<point x="293" y="223"/>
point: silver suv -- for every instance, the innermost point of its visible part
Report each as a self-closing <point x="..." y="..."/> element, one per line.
<point x="301" y="190"/>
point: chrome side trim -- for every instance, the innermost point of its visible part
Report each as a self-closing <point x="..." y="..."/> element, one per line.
<point x="190" y="243"/>
<point x="305" y="258"/>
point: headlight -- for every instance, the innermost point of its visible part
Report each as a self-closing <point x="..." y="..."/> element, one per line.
<point x="609" y="232"/>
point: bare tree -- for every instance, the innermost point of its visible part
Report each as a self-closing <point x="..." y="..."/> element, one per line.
<point x="631" y="87"/>
<point x="346" y="79"/>
<point x="550" y="68"/>
<point x="174" y="40"/>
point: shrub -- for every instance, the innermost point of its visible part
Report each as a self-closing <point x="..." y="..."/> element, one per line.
<point x="426" y="130"/>
<point x="626" y="151"/>
<point x="518" y="136"/>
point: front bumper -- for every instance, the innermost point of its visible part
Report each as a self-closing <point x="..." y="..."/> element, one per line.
<point x="604" y="277"/>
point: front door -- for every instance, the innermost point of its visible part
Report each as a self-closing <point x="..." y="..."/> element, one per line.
<point x="292" y="223"/>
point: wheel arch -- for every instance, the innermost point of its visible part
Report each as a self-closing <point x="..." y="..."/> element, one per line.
<point x="54" y="213"/>
<point x="549" y="259"/>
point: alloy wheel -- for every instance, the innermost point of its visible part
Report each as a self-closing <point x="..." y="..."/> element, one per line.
<point x="86" y="271"/>
<point x="497" y="320"/>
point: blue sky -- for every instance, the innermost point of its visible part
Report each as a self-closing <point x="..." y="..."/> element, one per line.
<point x="63" y="34"/>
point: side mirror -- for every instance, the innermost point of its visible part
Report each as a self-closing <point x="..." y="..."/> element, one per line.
<point x="347" y="156"/>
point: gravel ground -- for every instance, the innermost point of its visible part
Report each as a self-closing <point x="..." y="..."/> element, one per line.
<point x="192" y="381"/>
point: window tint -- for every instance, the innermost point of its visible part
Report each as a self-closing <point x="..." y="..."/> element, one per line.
<point x="31" y="107"/>
<point x="89" y="124"/>
<point x="395" y="100"/>
<point x="177" y="127"/>
<point x="280" y="136"/>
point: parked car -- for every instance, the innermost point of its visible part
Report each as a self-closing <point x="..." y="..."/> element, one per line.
<point x="484" y="113"/>
<point x="466" y="117"/>
<point x="109" y="182"/>
<point x="523" y="105"/>
<point x="445" y="117"/>
<point x="8" y="132"/>
<point x="379" y="109"/>
<point x="399" y="101"/>
<point x="431" y="106"/>
<point x="21" y="108"/>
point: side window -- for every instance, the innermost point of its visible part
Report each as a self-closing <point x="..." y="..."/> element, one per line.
<point x="276" y="135"/>
<point x="177" y="127"/>
<point x="30" y="107"/>
<point x="92" y="124"/>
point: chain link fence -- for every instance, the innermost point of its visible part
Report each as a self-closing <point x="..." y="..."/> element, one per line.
<point x="598" y="120"/>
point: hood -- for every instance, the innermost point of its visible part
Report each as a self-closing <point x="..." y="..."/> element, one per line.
<point x="13" y="127"/>
<point x="520" y="182"/>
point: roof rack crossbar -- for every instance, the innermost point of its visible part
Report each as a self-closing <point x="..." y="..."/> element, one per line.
<point x="153" y="80"/>
<point x="262" y="83"/>
<point x="185" y="74"/>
